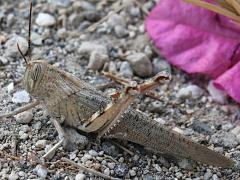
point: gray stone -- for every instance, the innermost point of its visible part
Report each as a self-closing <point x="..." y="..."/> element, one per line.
<point x="11" y="46"/>
<point x="201" y="127"/>
<point x="215" y="177"/>
<point x="110" y="149"/>
<point x="36" y="39"/>
<point x="225" y="139"/>
<point x="116" y="20"/>
<point x="207" y="175"/>
<point x="160" y="65"/>
<point x="41" y="171"/>
<point x="93" y="152"/>
<point x="120" y="31"/>
<point x="125" y="70"/>
<point x="190" y="91"/>
<point x="22" y="135"/>
<point x="97" y="60"/>
<point x="24" y="117"/>
<point x="186" y="164"/>
<point x="62" y="3"/>
<point x="132" y="173"/>
<point x="140" y="64"/>
<point x="217" y="95"/>
<point x="45" y="19"/>
<point x="25" y="128"/>
<point x="120" y="170"/>
<point x="88" y="47"/>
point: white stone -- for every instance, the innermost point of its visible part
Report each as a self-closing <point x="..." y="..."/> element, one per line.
<point x="21" y="97"/>
<point x="45" y="19"/>
<point x="217" y="95"/>
<point x="190" y="91"/>
<point x="10" y="87"/>
<point x="80" y="176"/>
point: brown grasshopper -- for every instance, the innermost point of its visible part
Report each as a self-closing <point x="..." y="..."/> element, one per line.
<point x="74" y="103"/>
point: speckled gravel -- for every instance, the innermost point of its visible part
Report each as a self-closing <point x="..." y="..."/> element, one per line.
<point x="188" y="103"/>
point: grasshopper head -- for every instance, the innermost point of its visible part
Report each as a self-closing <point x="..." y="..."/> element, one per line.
<point x="33" y="75"/>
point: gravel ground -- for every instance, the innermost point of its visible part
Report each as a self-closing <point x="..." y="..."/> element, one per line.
<point x="189" y="104"/>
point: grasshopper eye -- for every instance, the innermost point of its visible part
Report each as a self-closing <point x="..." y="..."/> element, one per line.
<point x="36" y="71"/>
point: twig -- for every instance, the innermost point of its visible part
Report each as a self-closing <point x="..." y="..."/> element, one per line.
<point x="53" y="149"/>
<point x="94" y="26"/>
<point x="21" y="109"/>
<point x="14" y="145"/>
<point x="123" y="148"/>
<point x="110" y="157"/>
<point x="5" y="154"/>
<point x="144" y="10"/>
<point x="83" y="168"/>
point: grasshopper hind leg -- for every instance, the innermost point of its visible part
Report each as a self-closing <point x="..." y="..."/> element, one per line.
<point x="69" y="138"/>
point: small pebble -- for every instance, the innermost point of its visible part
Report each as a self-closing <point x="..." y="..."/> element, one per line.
<point x="21" y="97"/>
<point x="93" y="153"/>
<point x="217" y="95"/>
<point x="160" y="65"/>
<point x="3" y="60"/>
<point x="132" y="173"/>
<point x="23" y="135"/>
<point x="140" y="64"/>
<point x="62" y="3"/>
<point x="120" y="170"/>
<point x="80" y="176"/>
<point x="97" y="60"/>
<point x="45" y="19"/>
<point x="190" y="91"/>
<point x="36" y="39"/>
<point x="207" y="175"/>
<point x="111" y="165"/>
<point x="41" y="171"/>
<point x="225" y="139"/>
<point x="201" y="127"/>
<point x="86" y="157"/>
<point x="215" y="177"/>
<point x="24" y="117"/>
<point x="13" y="176"/>
<point x="125" y="70"/>
<point x="41" y="143"/>
<point x="106" y="171"/>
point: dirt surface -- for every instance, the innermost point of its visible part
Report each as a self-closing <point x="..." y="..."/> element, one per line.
<point x="119" y="45"/>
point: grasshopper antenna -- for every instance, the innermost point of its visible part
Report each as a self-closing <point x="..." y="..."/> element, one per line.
<point x="29" y="31"/>
<point x="22" y="54"/>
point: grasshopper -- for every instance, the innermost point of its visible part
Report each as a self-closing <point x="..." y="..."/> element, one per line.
<point x="74" y="103"/>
